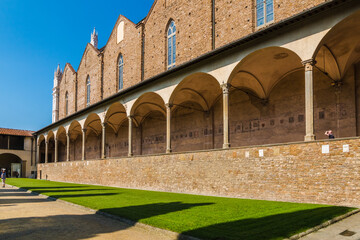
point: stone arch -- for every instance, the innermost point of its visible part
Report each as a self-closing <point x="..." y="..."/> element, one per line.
<point x="41" y="143"/>
<point x="149" y="116"/>
<point x="12" y="164"/>
<point x="336" y="78"/>
<point x="266" y="102"/>
<point x="50" y="138"/>
<point x="62" y="143"/>
<point x="116" y="124"/>
<point x="93" y="126"/>
<point x="260" y="71"/>
<point x="339" y="48"/>
<point x="196" y="118"/>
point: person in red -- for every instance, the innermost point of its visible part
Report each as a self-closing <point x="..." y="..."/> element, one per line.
<point x="3" y="177"/>
<point x="330" y="134"/>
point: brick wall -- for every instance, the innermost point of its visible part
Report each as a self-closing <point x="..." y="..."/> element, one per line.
<point x="67" y="85"/>
<point x="290" y="172"/>
<point x="193" y="32"/>
<point x="233" y="20"/>
<point x="130" y="48"/>
<point x="90" y="65"/>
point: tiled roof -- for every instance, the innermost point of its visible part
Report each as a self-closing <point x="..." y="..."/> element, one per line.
<point x="15" y="132"/>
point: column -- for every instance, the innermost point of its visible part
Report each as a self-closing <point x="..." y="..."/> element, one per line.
<point x="225" y="89"/>
<point x="46" y="150"/>
<point x="38" y="152"/>
<point x="67" y="147"/>
<point x="56" y="150"/>
<point x="103" y="141"/>
<point x="309" y="100"/>
<point x="168" y="128"/>
<point x="130" y="136"/>
<point x="83" y="144"/>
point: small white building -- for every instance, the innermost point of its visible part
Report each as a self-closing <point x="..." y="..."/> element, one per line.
<point x="17" y="152"/>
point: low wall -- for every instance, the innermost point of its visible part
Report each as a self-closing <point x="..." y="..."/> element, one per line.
<point x="297" y="172"/>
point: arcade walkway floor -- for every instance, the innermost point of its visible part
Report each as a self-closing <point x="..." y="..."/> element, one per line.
<point x="26" y="216"/>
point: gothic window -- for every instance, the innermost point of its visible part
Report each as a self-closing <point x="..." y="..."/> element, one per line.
<point x="66" y="103"/>
<point x="171" y="45"/>
<point x="121" y="72"/>
<point x="264" y="12"/>
<point x="88" y="91"/>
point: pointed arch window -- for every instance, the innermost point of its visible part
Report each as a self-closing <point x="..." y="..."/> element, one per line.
<point x="121" y="72"/>
<point x="66" y="103"/>
<point x="264" y="12"/>
<point x="171" y="45"/>
<point x="88" y="85"/>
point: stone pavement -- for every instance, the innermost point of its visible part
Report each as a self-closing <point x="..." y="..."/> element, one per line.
<point x="346" y="229"/>
<point x="27" y="216"/>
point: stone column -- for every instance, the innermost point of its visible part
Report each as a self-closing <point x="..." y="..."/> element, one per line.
<point x="309" y="100"/>
<point x="225" y="90"/>
<point x="67" y="147"/>
<point x="130" y="136"/>
<point x="168" y="128"/>
<point x="103" y="140"/>
<point x="56" y="150"/>
<point x="38" y="153"/>
<point x="83" y="144"/>
<point x="46" y="150"/>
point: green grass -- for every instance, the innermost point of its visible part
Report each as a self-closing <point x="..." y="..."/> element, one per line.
<point x="200" y="216"/>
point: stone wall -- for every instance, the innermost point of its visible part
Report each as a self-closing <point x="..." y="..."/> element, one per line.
<point x="297" y="172"/>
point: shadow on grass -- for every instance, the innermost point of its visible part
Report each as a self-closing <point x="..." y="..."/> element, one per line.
<point x="73" y="227"/>
<point x="278" y="226"/>
<point x="135" y="213"/>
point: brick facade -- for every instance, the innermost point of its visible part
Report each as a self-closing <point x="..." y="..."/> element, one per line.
<point x="193" y="19"/>
<point x="290" y="172"/>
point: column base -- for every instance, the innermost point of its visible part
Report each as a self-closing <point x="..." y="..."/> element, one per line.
<point x="309" y="138"/>
<point x="130" y="154"/>
<point x="226" y="145"/>
<point x="168" y="151"/>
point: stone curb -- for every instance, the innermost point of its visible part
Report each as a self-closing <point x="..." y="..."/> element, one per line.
<point x="146" y="227"/>
<point x="323" y="225"/>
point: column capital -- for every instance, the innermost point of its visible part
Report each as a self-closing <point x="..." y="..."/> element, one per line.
<point x="84" y="130"/>
<point x="225" y="88"/>
<point x="169" y="105"/>
<point x="130" y="117"/>
<point x="308" y="64"/>
<point x="103" y="125"/>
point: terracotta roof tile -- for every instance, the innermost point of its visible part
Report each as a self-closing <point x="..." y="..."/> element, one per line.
<point x="15" y="132"/>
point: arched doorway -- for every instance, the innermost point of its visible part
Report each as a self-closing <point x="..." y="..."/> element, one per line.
<point x="12" y="164"/>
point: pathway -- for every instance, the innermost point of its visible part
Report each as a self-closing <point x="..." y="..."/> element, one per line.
<point x="27" y="216"/>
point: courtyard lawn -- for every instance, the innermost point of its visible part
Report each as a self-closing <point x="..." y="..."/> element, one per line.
<point x="200" y="216"/>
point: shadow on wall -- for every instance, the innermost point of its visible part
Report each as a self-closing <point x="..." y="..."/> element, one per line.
<point x="278" y="226"/>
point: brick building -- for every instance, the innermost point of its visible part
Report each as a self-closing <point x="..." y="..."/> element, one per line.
<point x="203" y="75"/>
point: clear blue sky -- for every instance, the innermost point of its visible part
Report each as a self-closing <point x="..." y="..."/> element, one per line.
<point x="35" y="36"/>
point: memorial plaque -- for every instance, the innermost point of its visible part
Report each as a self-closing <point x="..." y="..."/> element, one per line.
<point x="325" y="149"/>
